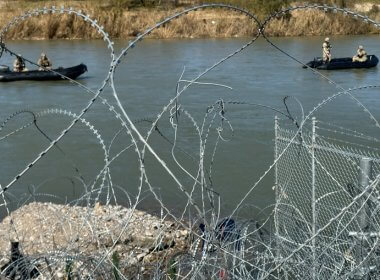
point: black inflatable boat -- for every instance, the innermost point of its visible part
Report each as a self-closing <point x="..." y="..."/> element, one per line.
<point x="72" y="72"/>
<point x="342" y="63"/>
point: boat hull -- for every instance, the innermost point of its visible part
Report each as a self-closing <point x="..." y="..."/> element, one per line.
<point x="343" y="63"/>
<point x="36" y="75"/>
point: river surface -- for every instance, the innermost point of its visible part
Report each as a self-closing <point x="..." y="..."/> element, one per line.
<point x="145" y="82"/>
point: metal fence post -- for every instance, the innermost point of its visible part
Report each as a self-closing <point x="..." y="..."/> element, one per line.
<point x="276" y="168"/>
<point x="363" y="235"/>
<point x="313" y="196"/>
<point x="276" y="225"/>
<point x="365" y="175"/>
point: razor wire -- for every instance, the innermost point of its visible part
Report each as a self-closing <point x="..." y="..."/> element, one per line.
<point x="301" y="245"/>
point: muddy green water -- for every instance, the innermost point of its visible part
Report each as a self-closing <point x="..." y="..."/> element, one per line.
<point x="145" y="82"/>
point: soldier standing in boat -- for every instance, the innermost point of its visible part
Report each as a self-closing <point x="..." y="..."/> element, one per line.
<point x="326" y="50"/>
<point x="361" y="55"/>
<point x="44" y="62"/>
<point x="19" y="64"/>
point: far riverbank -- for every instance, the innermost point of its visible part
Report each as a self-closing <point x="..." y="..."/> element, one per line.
<point x="124" y="23"/>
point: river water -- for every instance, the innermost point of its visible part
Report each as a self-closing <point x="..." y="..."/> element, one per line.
<point x="145" y="82"/>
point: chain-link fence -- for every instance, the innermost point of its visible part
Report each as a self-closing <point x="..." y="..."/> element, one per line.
<point x="327" y="200"/>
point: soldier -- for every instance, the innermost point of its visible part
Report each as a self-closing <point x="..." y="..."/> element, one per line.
<point x="361" y="55"/>
<point x="326" y="50"/>
<point x="19" y="64"/>
<point x="44" y="62"/>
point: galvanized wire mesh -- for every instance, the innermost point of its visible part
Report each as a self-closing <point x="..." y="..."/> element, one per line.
<point x="322" y="204"/>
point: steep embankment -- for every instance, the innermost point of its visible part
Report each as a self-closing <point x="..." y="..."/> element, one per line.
<point x="123" y="23"/>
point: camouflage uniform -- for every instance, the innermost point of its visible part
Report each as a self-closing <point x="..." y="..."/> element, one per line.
<point x="361" y="55"/>
<point x="19" y="64"/>
<point x="44" y="62"/>
<point x="326" y="50"/>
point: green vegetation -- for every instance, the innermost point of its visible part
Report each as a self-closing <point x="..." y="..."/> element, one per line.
<point x="116" y="265"/>
<point x="69" y="270"/>
<point x="172" y="270"/>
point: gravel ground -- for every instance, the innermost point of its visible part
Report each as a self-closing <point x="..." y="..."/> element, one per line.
<point x="47" y="232"/>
